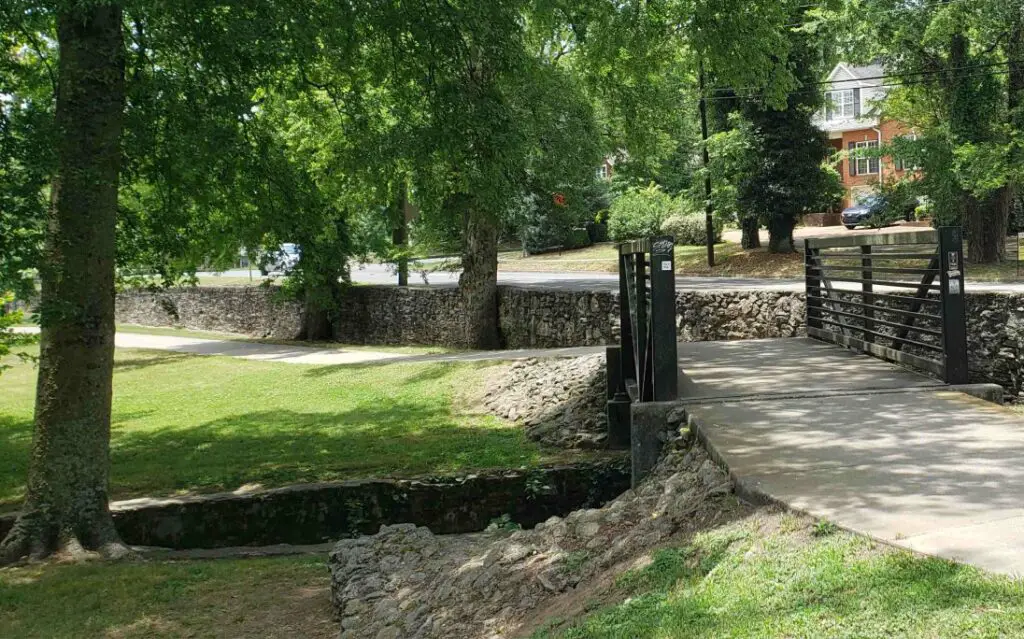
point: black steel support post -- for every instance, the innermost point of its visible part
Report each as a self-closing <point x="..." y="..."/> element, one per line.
<point x="954" y="310"/>
<point x="867" y="287"/>
<point x="641" y="334"/>
<point x="663" y="320"/>
<point x="812" y="281"/>
<point x="619" y="421"/>
<point x="628" y="357"/>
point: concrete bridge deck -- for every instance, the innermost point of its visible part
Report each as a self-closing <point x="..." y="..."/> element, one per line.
<point x="867" y="445"/>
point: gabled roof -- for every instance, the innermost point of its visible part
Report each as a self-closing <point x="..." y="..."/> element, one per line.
<point x="848" y="75"/>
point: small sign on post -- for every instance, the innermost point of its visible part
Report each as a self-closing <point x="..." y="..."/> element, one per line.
<point x="954" y="310"/>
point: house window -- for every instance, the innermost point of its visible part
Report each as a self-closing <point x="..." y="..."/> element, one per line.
<point x="866" y="165"/>
<point x="842" y="104"/>
<point x="604" y="173"/>
<point x="906" y="165"/>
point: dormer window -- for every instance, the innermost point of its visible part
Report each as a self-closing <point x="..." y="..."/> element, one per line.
<point x="843" y="104"/>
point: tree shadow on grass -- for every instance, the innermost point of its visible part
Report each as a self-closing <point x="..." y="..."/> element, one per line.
<point x="274" y="448"/>
<point x="435" y="370"/>
<point x="148" y="359"/>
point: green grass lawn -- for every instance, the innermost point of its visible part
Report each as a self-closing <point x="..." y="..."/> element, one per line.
<point x="280" y="598"/>
<point x="779" y="576"/>
<point x="184" y="423"/>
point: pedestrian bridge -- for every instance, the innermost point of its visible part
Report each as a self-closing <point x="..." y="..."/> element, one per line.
<point x="869" y="445"/>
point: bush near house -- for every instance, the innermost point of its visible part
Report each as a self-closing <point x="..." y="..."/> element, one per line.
<point x="691" y="229"/>
<point x="640" y="212"/>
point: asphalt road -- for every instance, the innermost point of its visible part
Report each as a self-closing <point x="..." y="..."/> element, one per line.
<point x="382" y="274"/>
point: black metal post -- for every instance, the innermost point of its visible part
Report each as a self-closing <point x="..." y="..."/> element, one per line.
<point x="954" y="309"/>
<point x="628" y="357"/>
<point x="619" y="419"/>
<point x="641" y="337"/>
<point x="709" y="207"/>
<point x="663" y="320"/>
<point x="812" y="283"/>
<point x="867" y="287"/>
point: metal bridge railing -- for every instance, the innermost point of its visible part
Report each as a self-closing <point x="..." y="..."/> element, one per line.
<point x="644" y="367"/>
<point x="898" y="296"/>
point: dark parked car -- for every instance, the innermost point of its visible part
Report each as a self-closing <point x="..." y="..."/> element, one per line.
<point x="873" y="206"/>
<point x="862" y="211"/>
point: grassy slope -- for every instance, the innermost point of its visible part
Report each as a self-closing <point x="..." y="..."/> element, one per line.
<point x="781" y="576"/>
<point x="185" y="423"/>
<point x="279" y="598"/>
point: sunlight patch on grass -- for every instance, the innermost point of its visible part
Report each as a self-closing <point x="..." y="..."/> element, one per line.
<point x="184" y="424"/>
<point x="767" y="578"/>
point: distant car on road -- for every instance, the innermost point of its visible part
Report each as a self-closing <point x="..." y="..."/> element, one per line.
<point x="862" y="211"/>
<point x="872" y="207"/>
<point x="283" y="260"/>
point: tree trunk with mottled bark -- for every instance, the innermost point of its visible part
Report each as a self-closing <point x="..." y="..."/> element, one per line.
<point x="66" y="507"/>
<point x="780" y="234"/>
<point x="478" y="284"/>
<point x="986" y="222"/>
<point x="751" y="228"/>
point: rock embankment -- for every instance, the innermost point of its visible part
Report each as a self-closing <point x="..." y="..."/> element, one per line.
<point x="561" y="402"/>
<point x="407" y="582"/>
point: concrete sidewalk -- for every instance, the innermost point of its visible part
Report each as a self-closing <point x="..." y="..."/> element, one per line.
<point x="869" y="446"/>
<point x="296" y="354"/>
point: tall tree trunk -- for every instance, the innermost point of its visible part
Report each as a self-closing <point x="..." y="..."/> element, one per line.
<point x="400" y="234"/>
<point x="986" y="222"/>
<point x="478" y="283"/>
<point x="780" y="234"/>
<point x="751" y="228"/>
<point x="66" y="507"/>
<point x="318" y="310"/>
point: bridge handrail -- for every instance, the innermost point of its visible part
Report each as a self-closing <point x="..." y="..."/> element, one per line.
<point x="850" y="317"/>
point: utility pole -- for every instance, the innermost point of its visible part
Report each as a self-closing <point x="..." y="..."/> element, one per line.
<point x="709" y="209"/>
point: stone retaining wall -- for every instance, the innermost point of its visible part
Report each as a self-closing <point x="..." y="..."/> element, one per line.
<point x="314" y="513"/>
<point x="541" y="318"/>
<point x="257" y="311"/>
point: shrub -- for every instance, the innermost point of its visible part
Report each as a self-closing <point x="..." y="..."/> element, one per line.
<point x="639" y="213"/>
<point x="577" y="238"/>
<point x="691" y="229"/>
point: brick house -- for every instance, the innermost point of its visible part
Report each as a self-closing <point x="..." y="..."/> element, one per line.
<point x="852" y="119"/>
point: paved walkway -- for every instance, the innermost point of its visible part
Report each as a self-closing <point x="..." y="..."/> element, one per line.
<point x="872" y="447"/>
<point x="295" y="354"/>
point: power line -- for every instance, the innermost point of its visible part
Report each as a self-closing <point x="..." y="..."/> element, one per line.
<point x="891" y="10"/>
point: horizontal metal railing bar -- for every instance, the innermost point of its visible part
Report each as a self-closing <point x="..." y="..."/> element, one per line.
<point x="860" y="280"/>
<point x="894" y="325"/>
<point x="877" y="255"/>
<point x="634" y="247"/>
<point x="929" y="236"/>
<point x="892" y="297"/>
<point x="874" y="269"/>
<point x="875" y="307"/>
<point x="860" y="329"/>
<point x="878" y="350"/>
<point x="876" y="320"/>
